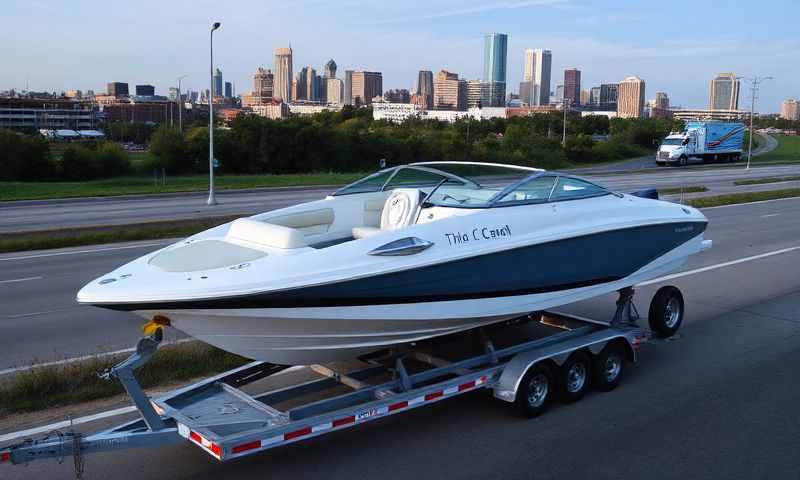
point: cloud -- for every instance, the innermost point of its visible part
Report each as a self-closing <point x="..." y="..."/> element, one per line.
<point x="470" y="10"/>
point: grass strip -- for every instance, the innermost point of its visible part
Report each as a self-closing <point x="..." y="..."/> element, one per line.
<point x="74" y="237"/>
<point x="73" y="383"/>
<point x="10" y="191"/>
<point x="744" y="197"/>
<point x="676" y="190"/>
<point x="759" y="181"/>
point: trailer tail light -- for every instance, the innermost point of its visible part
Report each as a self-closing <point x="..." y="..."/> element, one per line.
<point x="5" y="457"/>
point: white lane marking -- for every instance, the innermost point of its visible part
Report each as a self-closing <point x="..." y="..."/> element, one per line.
<point x="33" y="314"/>
<point x="26" y="279"/>
<point x="770" y="215"/>
<point x="750" y="203"/>
<point x="77" y="252"/>
<point x="78" y="359"/>
<point x="91" y="418"/>
<point x="66" y="423"/>
<point x="719" y="265"/>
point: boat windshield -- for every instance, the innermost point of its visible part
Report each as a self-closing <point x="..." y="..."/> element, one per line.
<point x="476" y="185"/>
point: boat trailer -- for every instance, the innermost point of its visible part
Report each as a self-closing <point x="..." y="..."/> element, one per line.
<point x="568" y="354"/>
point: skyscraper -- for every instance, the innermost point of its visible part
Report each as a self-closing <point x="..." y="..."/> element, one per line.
<point x="217" y="83"/>
<point x="348" y="87"/>
<point x="572" y="86"/>
<point x="282" y="88"/>
<point x="790" y="109"/>
<point x="366" y="86"/>
<point x="330" y="69"/>
<point x="334" y="91"/>
<point x="608" y="96"/>
<point x="446" y="94"/>
<point x="228" y="90"/>
<point x="477" y="94"/>
<point x="536" y="75"/>
<point x="724" y="92"/>
<point x="425" y="87"/>
<point x="630" y="100"/>
<point x="263" y="82"/>
<point x="662" y="100"/>
<point x="495" y="51"/>
<point x="307" y="87"/>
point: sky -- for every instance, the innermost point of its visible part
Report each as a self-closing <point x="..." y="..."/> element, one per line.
<point x="676" y="46"/>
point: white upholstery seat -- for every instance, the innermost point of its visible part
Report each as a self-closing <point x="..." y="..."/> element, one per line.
<point x="310" y="223"/>
<point x="399" y="210"/>
<point x="266" y="234"/>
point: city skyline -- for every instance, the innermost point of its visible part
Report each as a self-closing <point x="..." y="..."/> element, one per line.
<point x="606" y="44"/>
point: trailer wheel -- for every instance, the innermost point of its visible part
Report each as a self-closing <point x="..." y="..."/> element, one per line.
<point x="666" y="311"/>
<point x="535" y="390"/>
<point x="683" y="161"/>
<point x="609" y="366"/>
<point x="574" y="377"/>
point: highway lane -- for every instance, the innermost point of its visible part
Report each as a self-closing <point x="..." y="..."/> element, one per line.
<point x="47" y="214"/>
<point x="40" y="320"/>
<point x="719" y="401"/>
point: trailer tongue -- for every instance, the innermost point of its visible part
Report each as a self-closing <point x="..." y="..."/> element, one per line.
<point x="527" y="362"/>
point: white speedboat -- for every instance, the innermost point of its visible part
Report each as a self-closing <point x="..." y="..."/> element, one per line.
<point x="405" y="254"/>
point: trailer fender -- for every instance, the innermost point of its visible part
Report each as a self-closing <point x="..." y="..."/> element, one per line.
<point x="508" y="384"/>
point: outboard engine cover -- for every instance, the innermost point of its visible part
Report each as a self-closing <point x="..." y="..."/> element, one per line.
<point x="650" y="193"/>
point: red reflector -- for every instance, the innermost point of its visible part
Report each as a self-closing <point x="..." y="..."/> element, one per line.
<point x="197" y="438"/>
<point x="216" y="449"/>
<point x="397" y="406"/>
<point x="434" y="395"/>
<point x="246" y="446"/>
<point x="465" y="386"/>
<point x="5" y="457"/>
<point x="296" y="433"/>
<point x="344" y="421"/>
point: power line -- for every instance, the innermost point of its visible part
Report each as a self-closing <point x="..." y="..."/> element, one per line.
<point x="755" y="83"/>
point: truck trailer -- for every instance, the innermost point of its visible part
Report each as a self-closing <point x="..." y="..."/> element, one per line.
<point x="702" y="142"/>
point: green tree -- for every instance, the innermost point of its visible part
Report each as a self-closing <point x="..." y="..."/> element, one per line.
<point x="169" y="151"/>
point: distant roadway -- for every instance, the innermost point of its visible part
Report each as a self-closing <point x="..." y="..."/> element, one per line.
<point x="63" y="213"/>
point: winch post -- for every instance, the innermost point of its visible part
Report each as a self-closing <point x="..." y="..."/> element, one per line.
<point x="124" y="372"/>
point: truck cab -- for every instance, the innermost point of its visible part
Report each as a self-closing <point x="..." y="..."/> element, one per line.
<point x="677" y="148"/>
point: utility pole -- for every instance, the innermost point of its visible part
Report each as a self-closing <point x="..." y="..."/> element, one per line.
<point x="755" y="83"/>
<point x="211" y="199"/>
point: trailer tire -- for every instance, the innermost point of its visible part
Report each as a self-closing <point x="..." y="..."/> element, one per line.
<point x="574" y="377"/>
<point x="609" y="365"/>
<point x="535" y="390"/>
<point x="683" y="161"/>
<point x="666" y="311"/>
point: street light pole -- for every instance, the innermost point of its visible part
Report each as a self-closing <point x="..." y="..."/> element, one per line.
<point x="211" y="199"/>
<point x="180" y="104"/>
<point x="754" y="84"/>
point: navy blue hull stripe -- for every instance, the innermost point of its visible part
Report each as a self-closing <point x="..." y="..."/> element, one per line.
<point x="542" y="268"/>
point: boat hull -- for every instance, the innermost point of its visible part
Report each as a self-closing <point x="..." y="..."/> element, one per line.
<point x="316" y="334"/>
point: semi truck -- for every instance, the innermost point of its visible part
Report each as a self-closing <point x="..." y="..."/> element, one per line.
<point x="702" y="142"/>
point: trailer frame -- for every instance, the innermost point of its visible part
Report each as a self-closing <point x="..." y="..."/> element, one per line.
<point x="227" y="423"/>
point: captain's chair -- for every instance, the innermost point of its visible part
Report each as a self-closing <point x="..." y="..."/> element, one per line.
<point x="399" y="210"/>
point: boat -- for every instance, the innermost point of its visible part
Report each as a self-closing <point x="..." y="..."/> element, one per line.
<point x="408" y="253"/>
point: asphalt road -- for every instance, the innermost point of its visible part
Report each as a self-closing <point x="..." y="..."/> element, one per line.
<point x="48" y="214"/>
<point x="720" y="401"/>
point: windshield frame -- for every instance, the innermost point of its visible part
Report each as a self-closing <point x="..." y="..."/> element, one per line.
<point x="494" y="201"/>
